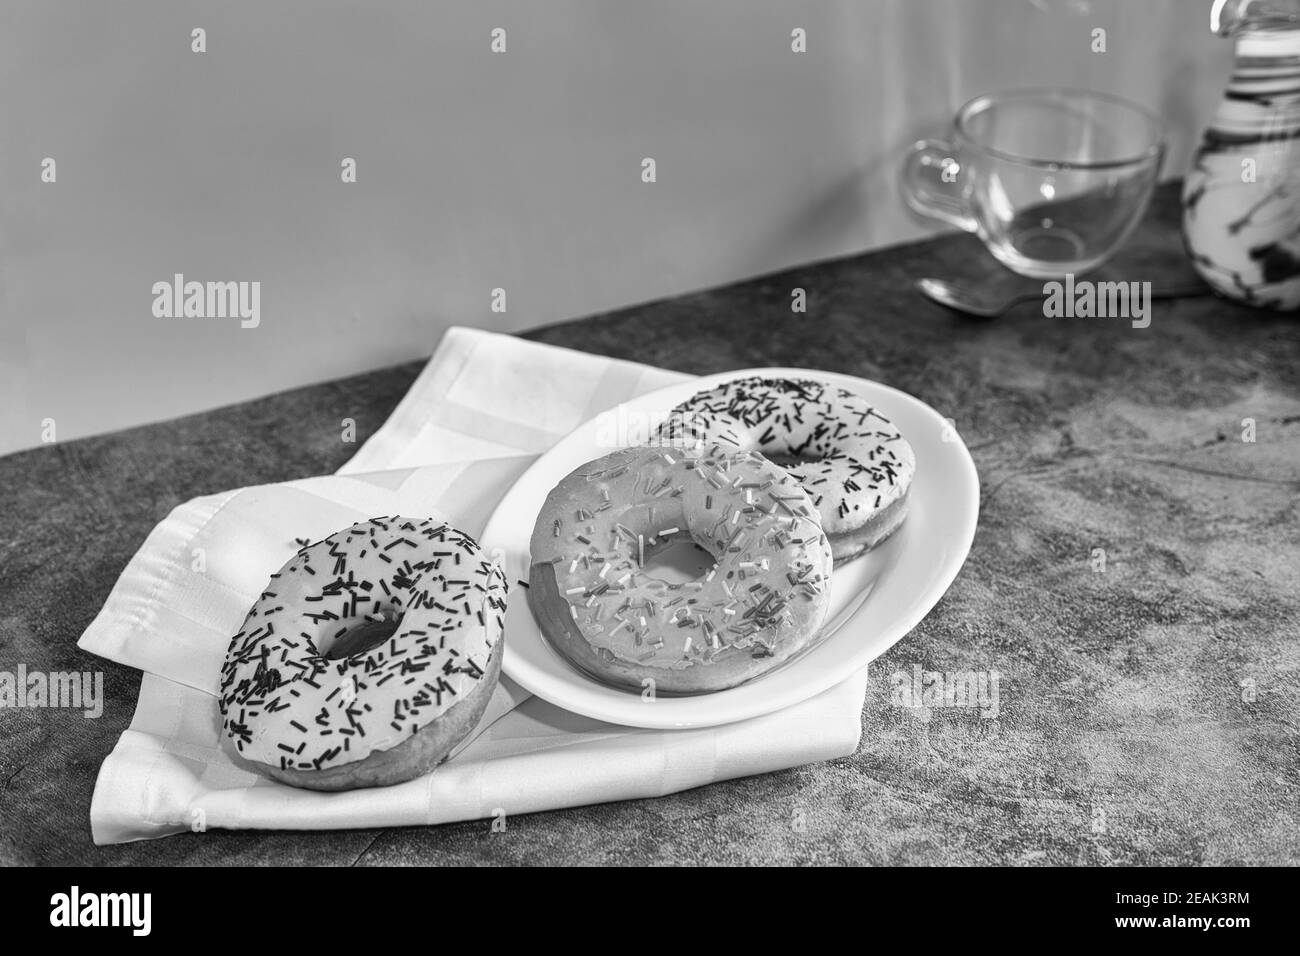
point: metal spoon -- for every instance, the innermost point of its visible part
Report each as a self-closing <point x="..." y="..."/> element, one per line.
<point x="989" y="304"/>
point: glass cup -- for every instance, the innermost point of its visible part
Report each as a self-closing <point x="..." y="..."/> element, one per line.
<point x="1053" y="180"/>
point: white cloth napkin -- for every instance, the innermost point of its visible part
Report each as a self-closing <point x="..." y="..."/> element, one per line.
<point x="479" y="413"/>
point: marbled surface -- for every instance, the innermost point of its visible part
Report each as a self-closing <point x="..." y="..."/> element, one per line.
<point x="1148" y="711"/>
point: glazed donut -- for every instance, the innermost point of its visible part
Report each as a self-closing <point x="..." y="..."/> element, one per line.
<point x="852" y="461"/>
<point x="368" y="657"/>
<point x="763" y="600"/>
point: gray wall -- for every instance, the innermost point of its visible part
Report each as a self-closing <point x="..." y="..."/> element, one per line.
<point x="476" y="170"/>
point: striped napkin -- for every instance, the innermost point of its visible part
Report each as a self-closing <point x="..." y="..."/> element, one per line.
<point x="481" y="411"/>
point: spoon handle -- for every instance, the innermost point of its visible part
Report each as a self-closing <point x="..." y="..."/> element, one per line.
<point x="1173" y="290"/>
<point x="1180" y="290"/>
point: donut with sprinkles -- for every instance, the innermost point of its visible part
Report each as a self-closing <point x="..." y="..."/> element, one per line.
<point x="367" y="658"/>
<point x="601" y="604"/>
<point x="852" y="460"/>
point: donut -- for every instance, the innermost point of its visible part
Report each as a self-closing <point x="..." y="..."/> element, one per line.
<point x="368" y="657"/>
<point x="763" y="599"/>
<point x="851" y="459"/>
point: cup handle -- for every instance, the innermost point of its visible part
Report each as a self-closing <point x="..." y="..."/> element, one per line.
<point x="925" y="188"/>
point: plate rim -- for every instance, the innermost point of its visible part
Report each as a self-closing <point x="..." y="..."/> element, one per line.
<point x="649" y="717"/>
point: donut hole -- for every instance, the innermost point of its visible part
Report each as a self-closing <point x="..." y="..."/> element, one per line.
<point x="786" y="459"/>
<point x="677" y="561"/>
<point x="363" y="636"/>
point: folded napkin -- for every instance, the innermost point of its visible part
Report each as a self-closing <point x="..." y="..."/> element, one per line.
<point x="484" y="407"/>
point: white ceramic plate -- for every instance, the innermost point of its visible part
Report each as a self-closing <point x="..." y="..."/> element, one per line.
<point x="875" y="600"/>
